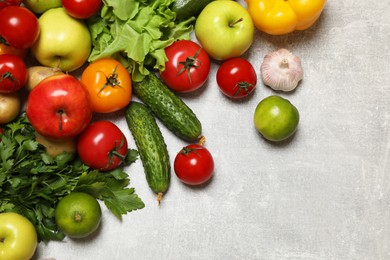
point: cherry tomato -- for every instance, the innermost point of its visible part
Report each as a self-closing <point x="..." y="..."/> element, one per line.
<point x="19" y="26"/>
<point x="194" y="164"/>
<point x="187" y="68"/>
<point x="13" y="73"/>
<point x="236" y="78"/>
<point x="6" y="49"/>
<point x="102" y="146"/>
<point x="81" y="9"/>
<point x="109" y="85"/>
<point x="4" y="3"/>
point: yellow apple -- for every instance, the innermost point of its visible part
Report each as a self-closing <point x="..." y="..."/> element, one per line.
<point x="18" y="238"/>
<point x="224" y="29"/>
<point x="64" y="42"/>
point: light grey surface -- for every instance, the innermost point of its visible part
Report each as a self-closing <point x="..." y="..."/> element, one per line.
<point x="324" y="194"/>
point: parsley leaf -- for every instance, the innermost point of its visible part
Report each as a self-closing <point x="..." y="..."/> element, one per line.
<point x="32" y="182"/>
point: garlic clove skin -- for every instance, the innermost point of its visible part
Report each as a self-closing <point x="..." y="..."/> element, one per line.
<point x="281" y="70"/>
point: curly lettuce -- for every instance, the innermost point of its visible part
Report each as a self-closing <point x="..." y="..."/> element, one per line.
<point x="136" y="32"/>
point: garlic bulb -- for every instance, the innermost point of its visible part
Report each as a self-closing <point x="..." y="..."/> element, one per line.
<point x="281" y="70"/>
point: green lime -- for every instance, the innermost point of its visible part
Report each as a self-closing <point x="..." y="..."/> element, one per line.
<point x="276" y="118"/>
<point x="78" y="214"/>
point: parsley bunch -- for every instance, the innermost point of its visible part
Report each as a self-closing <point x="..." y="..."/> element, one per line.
<point x="32" y="182"/>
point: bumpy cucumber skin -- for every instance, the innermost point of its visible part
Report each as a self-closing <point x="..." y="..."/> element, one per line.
<point x="168" y="107"/>
<point x="185" y="9"/>
<point x="151" y="146"/>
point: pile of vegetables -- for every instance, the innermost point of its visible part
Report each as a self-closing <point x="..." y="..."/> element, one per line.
<point x="135" y="40"/>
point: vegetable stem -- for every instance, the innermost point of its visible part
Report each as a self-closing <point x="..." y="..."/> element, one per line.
<point x="232" y="24"/>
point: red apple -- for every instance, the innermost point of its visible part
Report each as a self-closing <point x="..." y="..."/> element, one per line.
<point x="59" y="107"/>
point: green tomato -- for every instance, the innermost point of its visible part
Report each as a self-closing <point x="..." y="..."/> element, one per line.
<point x="18" y="238"/>
<point x="276" y="118"/>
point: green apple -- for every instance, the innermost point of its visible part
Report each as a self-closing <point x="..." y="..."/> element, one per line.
<point x="64" y="42"/>
<point x="40" y="6"/>
<point x="224" y="29"/>
<point x="18" y="238"/>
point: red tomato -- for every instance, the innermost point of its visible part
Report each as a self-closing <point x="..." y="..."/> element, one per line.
<point x="19" y="26"/>
<point x="236" y="78"/>
<point x="13" y="73"/>
<point x="81" y="9"/>
<point x="102" y="146"/>
<point x="194" y="164"/>
<point x="187" y="68"/>
<point x="4" y="3"/>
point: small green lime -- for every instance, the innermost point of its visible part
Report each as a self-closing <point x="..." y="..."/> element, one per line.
<point x="78" y="214"/>
<point x="276" y="118"/>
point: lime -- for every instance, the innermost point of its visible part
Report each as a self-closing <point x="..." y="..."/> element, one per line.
<point x="276" y="118"/>
<point x="78" y="214"/>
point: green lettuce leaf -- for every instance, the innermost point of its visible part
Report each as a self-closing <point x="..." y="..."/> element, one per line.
<point x="136" y="32"/>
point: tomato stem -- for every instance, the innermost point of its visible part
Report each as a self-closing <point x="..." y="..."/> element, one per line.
<point x="8" y="75"/>
<point x="243" y="85"/>
<point x="111" y="81"/>
<point x="114" y="153"/>
<point x="190" y="62"/>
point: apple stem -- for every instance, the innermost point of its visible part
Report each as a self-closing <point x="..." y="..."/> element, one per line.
<point x="232" y="24"/>
<point x="60" y="113"/>
<point x="2" y="240"/>
<point x="58" y="63"/>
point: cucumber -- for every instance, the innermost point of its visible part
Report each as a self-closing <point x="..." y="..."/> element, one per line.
<point x="168" y="107"/>
<point x="185" y="9"/>
<point x="151" y="147"/>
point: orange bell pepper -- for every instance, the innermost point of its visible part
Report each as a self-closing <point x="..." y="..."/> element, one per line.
<point x="284" y="16"/>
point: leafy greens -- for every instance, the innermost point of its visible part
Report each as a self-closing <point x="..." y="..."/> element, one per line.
<point x="136" y="32"/>
<point x="32" y="182"/>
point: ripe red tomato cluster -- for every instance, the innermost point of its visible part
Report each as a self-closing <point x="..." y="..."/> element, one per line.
<point x="187" y="70"/>
<point x="18" y="31"/>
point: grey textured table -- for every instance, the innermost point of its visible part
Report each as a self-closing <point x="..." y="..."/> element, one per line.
<point x="324" y="194"/>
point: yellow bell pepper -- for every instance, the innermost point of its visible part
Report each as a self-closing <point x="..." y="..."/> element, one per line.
<point x="284" y="16"/>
